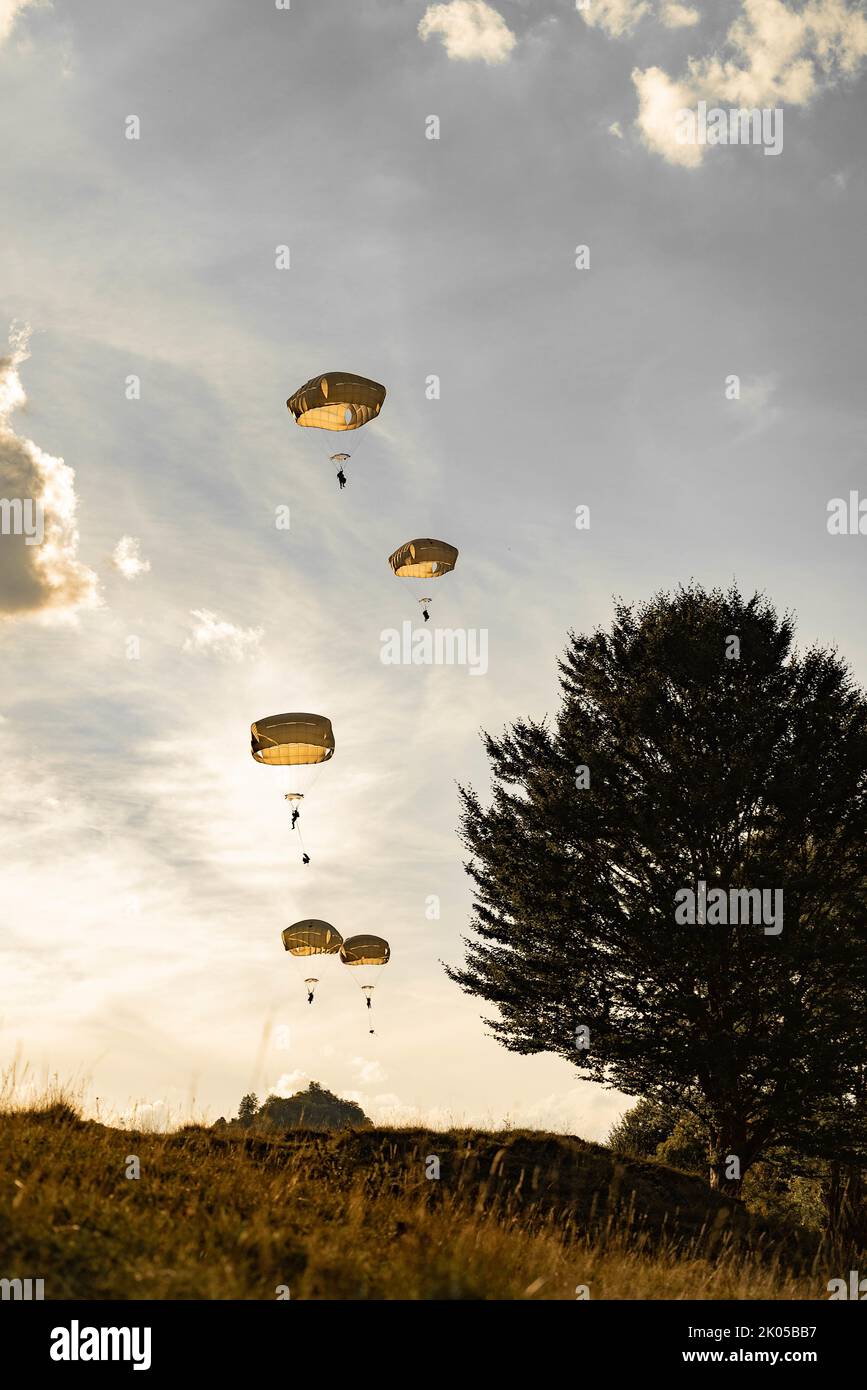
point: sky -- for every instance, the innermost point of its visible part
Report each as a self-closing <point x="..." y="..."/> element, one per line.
<point x="694" y="378"/>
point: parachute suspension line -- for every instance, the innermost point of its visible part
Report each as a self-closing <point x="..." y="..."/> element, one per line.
<point x="424" y="559"/>
<point x="309" y="942"/>
<point x="301" y="968"/>
<point x="291" y="797"/>
<point x="347" y="452"/>
<point x="364" y="990"/>
<point x="371" y="1031"/>
<point x="309" y="784"/>
<point x="305" y="857"/>
<point x="367" y="991"/>
<point x="315" y="778"/>
<point x="293" y="741"/>
<point x="342" y="404"/>
<point x="359" y="954"/>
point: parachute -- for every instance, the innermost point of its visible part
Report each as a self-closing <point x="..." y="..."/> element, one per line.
<point x="307" y="938"/>
<point x="292" y="740"/>
<point x="338" y="402"/>
<point x="424" y="559"/>
<point x="297" y="742"/>
<point x="365" y="956"/>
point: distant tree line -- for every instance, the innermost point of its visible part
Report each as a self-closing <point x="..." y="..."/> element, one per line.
<point x="313" y="1108"/>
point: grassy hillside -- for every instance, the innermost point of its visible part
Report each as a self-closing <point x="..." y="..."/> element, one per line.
<point x="353" y="1215"/>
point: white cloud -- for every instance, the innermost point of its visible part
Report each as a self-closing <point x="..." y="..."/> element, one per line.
<point x="148" y="1115"/>
<point x="659" y="101"/>
<point x="779" y="56"/>
<point x="676" y="16"/>
<point x="470" y="30"/>
<point x="368" y="1072"/>
<point x="9" y="12"/>
<point x="40" y="573"/>
<point x="213" y="636"/>
<point x="616" y="129"/>
<point x="782" y="55"/>
<point x="387" y="1108"/>
<point x="289" y="1083"/>
<point x="126" y="557"/>
<point x="615" y="17"/>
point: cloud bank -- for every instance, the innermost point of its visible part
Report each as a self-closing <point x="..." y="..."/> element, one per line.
<point x="213" y="636"/>
<point x="9" y="12"/>
<point x="780" y="56"/>
<point x="40" y="572"/>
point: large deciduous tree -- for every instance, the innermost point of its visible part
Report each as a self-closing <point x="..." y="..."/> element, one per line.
<point x="716" y="752"/>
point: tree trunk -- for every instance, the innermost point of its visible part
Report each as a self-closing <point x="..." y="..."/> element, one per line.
<point x="730" y="1142"/>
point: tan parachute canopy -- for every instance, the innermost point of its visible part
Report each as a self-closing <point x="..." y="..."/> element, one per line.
<point x="423" y="559"/>
<point x="336" y="401"/>
<point x="365" y="950"/>
<point x="312" y="938"/>
<point x="366" y="955"/>
<point x="291" y="740"/>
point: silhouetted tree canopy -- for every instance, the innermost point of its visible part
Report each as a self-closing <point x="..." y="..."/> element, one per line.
<point x="248" y="1109"/>
<point x="745" y="771"/>
<point x="313" y="1108"/>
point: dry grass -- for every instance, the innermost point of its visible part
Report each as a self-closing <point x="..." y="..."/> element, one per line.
<point x="353" y="1216"/>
